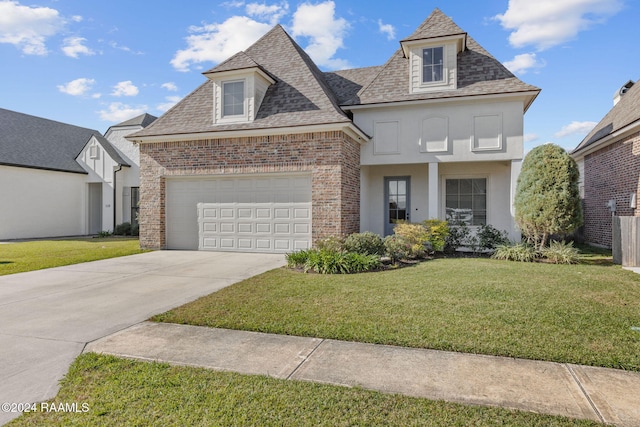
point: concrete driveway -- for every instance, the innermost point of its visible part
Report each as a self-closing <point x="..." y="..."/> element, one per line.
<point x="48" y="316"/>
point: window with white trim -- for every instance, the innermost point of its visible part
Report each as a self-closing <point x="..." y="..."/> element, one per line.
<point x="233" y="98"/>
<point x="466" y="201"/>
<point x="433" y="64"/>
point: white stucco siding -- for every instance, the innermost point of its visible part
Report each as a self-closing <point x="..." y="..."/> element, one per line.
<point x="467" y="128"/>
<point x="40" y="203"/>
<point x="100" y="167"/>
<point x="498" y="175"/>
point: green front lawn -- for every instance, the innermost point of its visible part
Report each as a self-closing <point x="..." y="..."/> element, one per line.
<point x="580" y="314"/>
<point x="36" y="255"/>
<point x="118" y="392"/>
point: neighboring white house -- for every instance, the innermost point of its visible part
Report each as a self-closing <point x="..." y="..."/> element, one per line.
<point x="272" y="154"/>
<point x="58" y="180"/>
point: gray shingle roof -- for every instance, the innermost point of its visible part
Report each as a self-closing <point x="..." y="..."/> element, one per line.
<point x="238" y="61"/>
<point x="347" y="83"/>
<point x="34" y="142"/>
<point x="143" y="120"/>
<point x="300" y="96"/>
<point x="110" y="149"/>
<point x="303" y="95"/>
<point x="624" y="113"/>
<point x="479" y="73"/>
<point x="436" y="25"/>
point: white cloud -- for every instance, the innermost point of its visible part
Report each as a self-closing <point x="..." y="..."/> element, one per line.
<point x="547" y="23"/>
<point x="77" y="18"/>
<point x="271" y="13"/>
<point x="232" y="4"/>
<point x="126" y="88"/>
<point x="119" y="112"/>
<point x="77" y="87"/>
<point x="324" y="30"/>
<point x="530" y="137"/>
<point x="520" y="64"/>
<point x="387" y="29"/>
<point x="580" y="128"/>
<point x="124" y="48"/>
<point x="73" y="47"/>
<point x="27" y="28"/>
<point x="217" y="42"/>
<point x="170" y="86"/>
<point x="171" y="101"/>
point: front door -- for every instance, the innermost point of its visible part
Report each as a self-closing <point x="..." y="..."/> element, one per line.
<point x="396" y="196"/>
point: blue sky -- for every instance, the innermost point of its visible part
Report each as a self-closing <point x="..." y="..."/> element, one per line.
<point x="94" y="64"/>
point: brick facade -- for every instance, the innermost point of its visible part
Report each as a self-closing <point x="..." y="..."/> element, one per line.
<point x="332" y="158"/>
<point x="611" y="173"/>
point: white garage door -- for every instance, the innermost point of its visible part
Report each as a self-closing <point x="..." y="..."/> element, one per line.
<point x="242" y="213"/>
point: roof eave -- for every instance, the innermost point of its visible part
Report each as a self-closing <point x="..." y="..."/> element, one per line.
<point x="348" y="127"/>
<point x="606" y="140"/>
<point x="530" y="96"/>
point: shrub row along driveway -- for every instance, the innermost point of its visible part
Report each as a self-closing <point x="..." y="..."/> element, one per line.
<point x="48" y="316"/>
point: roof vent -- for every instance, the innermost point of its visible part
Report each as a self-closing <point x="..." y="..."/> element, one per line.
<point x="622" y="91"/>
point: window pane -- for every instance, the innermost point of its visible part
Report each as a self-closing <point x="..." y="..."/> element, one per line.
<point x="437" y="55"/>
<point x="402" y="187"/>
<point x="402" y="202"/>
<point x="437" y="73"/>
<point x="452" y="201"/>
<point x="402" y="214"/>
<point x="465" y="202"/>
<point x="452" y="186"/>
<point x="233" y="99"/>
<point x="393" y="187"/>
<point x="393" y="202"/>
<point x="479" y="186"/>
<point x="427" y="56"/>
<point x="465" y="186"/>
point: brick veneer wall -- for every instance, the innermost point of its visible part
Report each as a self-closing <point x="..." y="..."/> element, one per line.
<point x="332" y="158"/>
<point x="611" y="173"/>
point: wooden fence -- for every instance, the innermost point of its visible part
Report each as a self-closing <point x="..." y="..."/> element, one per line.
<point x="626" y="241"/>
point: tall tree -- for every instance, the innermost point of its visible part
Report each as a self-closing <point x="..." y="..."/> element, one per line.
<point x="547" y="197"/>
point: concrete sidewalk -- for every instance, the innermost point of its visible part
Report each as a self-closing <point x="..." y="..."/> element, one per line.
<point x="599" y="394"/>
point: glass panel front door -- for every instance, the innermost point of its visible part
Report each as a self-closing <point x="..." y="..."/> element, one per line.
<point x="396" y="202"/>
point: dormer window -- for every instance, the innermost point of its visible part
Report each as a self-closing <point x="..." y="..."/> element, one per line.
<point x="233" y="98"/>
<point x="432" y="65"/>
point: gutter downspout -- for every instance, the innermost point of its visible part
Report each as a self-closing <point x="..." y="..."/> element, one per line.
<point x="115" y="187"/>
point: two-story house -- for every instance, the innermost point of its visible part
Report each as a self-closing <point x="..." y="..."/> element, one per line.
<point x="271" y="154"/>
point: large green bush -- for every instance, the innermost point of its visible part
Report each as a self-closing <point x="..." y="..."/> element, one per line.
<point x="397" y="248"/>
<point x="366" y="243"/>
<point x="547" y="199"/>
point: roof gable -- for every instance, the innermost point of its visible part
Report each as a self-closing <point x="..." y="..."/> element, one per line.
<point x="436" y="25"/>
<point x="623" y="114"/>
<point x="35" y="142"/>
<point x="478" y="72"/>
<point x="300" y="96"/>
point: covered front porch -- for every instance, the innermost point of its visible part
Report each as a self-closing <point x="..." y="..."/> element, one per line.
<point x="476" y="193"/>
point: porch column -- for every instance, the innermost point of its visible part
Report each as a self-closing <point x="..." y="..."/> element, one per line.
<point x="433" y="191"/>
<point x="516" y="166"/>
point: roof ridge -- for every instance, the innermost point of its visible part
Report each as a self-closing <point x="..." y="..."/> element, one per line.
<point x="437" y="24"/>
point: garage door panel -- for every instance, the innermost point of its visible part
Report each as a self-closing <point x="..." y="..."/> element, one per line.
<point x="261" y="213"/>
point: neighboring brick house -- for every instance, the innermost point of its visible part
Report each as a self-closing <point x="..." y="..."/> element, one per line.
<point x="609" y="161"/>
<point x="271" y="154"/>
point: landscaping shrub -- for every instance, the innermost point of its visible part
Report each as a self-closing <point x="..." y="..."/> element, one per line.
<point x="490" y="237"/>
<point x="297" y="259"/>
<point x="437" y="232"/>
<point x="333" y="244"/>
<point x="519" y="252"/>
<point x="561" y="253"/>
<point x="366" y="243"/>
<point x="458" y="236"/>
<point x="123" y="229"/>
<point x="397" y="248"/>
<point x="325" y="261"/>
<point x="135" y="230"/>
<point x="104" y="234"/>
<point x="359" y="263"/>
<point x="415" y="235"/>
